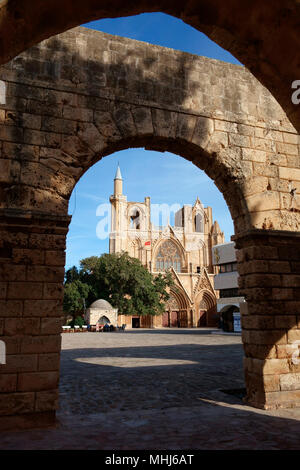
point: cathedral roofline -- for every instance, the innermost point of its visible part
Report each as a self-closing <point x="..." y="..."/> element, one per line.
<point x="216" y="227"/>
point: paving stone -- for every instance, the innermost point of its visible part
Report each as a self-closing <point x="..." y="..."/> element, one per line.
<point x="156" y="389"/>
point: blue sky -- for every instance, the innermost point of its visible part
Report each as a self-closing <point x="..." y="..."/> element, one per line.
<point x="165" y="177"/>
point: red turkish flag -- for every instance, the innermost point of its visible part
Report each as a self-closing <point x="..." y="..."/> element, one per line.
<point x="147" y="243"/>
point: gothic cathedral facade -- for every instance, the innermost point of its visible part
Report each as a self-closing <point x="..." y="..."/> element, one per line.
<point x="184" y="248"/>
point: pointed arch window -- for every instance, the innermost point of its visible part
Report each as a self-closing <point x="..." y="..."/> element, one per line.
<point x="198" y="223"/>
<point x="135" y="220"/>
<point x="168" y="256"/>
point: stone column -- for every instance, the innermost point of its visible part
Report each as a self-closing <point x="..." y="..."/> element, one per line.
<point x="32" y="258"/>
<point x="269" y="268"/>
<point x="191" y="316"/>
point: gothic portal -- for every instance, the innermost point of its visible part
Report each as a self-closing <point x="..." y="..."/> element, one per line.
<point x="185" y="249"/>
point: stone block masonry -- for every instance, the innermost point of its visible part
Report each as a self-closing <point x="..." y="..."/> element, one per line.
<point x="32" y="317"/>
<point x="80" y="96"/>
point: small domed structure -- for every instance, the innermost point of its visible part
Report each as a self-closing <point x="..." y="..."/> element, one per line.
<point x="100" y="312"/>
<point x="102" y="304"/>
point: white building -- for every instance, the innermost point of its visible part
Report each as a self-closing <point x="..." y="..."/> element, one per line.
<point x="101" y="312"/>
<point x="226" y="282"/>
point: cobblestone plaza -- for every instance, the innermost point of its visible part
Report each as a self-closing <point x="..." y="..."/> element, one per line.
<point x="146" y="369"/>
<point x="156" y="389"/>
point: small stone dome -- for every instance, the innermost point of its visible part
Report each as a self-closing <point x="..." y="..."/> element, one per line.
<point x="101" y="304"/>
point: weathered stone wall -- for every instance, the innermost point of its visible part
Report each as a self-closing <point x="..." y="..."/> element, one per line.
<point x="32" y="262"/>
<point x="269" y="267"/>
<point x="262" y="35"/>
<point x="83" y="95"/>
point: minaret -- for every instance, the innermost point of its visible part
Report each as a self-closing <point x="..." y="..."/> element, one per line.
<point x="117" y="241"/>
<point x="118" y="183"/>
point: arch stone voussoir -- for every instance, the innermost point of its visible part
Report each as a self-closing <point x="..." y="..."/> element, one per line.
<point x="246" y="34"/>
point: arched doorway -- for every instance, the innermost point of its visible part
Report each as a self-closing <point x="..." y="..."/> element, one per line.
<point x="206" y="310"/>
<point x="176" y="313"/>
<point x="226" y="317"/>
<point x="202" y="314"/>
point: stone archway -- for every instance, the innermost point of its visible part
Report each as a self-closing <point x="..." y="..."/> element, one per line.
<point x="242" y="28"/>
<point x="226" y="317"/>
<point x="58" y="121"/>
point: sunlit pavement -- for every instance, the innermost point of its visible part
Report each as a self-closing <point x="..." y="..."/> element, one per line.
<point x="157" y="389"/>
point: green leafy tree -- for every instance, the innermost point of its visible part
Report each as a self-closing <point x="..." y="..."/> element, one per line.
<point x="71" y="275"/>
<point x="89" y="265"/>
<point x="88" y="274"/>
<point x="74" y="294"/>
<point x="120" y="279"/>
<point x="78" y="321"/>
<point x="129" y="286"/>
